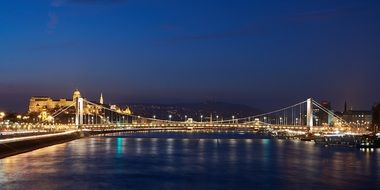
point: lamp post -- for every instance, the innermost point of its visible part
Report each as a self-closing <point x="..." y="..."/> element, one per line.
<point x="201" y="118"/>
<point x="170" y="117"/>
<point x="2" y="115"/>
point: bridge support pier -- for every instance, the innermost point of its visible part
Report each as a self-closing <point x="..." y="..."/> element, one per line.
<point x="79" y="113"/>
<point x="309" y="114"/>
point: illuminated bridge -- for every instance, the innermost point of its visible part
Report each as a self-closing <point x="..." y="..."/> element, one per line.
<point x="297" y="117"/>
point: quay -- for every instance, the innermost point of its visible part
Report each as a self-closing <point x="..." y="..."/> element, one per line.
<point x="18" y="145"/>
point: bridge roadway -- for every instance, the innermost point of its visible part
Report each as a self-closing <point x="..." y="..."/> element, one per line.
<point x="66" y="127"/>
<point x="184" y="126"/>
<point x="166" y="126"/>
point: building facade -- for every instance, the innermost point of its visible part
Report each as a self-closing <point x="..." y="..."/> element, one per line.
<point x="322" y="118"/>
<point x="358" y="118"/>
<point x="43" y="107"/>
<point x="39" y="104"/>
<point x="376" y="117"/>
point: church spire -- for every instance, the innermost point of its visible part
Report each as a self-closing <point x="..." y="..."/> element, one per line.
<point x="345" y="106"/>
<point x="101" y="101"/>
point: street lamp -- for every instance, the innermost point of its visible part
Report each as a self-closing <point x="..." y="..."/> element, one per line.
<point x="217" y="118"/>
<point x="2" y="115"/>
<point x="201" y="118"/>
<point x="185" y="117"/>
<point x="233" y="119"/>
<point x="170" y="117"/>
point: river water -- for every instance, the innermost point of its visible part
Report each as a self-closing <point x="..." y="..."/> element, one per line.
<point x="184" y="160"/>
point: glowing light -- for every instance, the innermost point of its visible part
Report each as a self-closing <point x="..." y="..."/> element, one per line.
<point x="35" y="137"/>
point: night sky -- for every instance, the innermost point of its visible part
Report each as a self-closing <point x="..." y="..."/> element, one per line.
<point x="266" y="54"/>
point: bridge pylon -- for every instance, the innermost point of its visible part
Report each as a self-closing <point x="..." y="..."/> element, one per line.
<point x="79" y="113"/>
<point x="309" y="113"/>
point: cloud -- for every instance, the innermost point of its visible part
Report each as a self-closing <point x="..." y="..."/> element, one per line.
<point x="53" y="22"/>
<point x="262" y="28"/>
<point x="332" y="13"/>
<point x="57" y="3"/>
<point x="320" y="15"/>
<point x="96" y="1"/>
<point x="52" y="46"/>
<point x="60" y="3"/>
<point x="252" y="30"/>
<point x="169" y="26"/>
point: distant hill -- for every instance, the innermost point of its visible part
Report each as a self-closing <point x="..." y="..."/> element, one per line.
<point x="193" y="110"/>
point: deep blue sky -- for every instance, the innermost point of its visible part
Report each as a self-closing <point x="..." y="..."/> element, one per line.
<point x="266" y="54"/>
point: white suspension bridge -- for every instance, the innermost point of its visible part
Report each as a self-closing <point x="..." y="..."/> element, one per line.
<point x="298" y="117"/>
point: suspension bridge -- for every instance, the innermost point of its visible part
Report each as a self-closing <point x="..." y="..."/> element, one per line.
<point x="297" y="117"/>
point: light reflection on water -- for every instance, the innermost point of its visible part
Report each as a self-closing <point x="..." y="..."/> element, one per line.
<point x="197" y="161"/>
<point x="120" y="146"/>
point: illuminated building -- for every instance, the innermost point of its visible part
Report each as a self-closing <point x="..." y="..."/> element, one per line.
<point x="376" y="117"/>
<point x="321" y="117"/>
<point x="357" y="118"/>
<point x="39" y="104"/>
<point x="44" y="107"/>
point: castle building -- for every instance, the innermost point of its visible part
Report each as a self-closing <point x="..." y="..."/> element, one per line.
<point x="42" y="104"/>
<point x="38" y="104"/>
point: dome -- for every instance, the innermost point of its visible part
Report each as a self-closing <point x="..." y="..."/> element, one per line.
<point x="76" y="94"/>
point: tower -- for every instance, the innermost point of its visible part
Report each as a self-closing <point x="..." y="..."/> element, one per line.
<point x="79" y="112"/>
<point x="309" y="113"/>
<point x="101" y="101"/>
<point x="345" y="106"/>
<point x="76" y="95"/>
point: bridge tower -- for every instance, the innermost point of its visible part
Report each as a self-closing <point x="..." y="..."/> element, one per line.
<point x="309" y="113"/>
<point x="79" y="112"/>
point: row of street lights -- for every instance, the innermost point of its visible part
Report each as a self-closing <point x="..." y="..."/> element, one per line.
<point x="170" y="116"/>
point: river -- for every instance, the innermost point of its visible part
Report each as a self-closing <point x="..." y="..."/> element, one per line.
<point x="189" y="160"/>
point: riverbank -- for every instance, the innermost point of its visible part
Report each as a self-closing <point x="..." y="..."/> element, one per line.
<point x="15" y="134"/>
<point x="13" y="146"/>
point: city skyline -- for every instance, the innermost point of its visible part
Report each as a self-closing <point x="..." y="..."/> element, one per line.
<point x="261" y="54"/>
<point x="199" y="94"/>
<point x="23" y="106"/>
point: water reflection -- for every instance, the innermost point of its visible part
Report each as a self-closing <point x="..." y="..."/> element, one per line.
<point x="120" y="146"/>
<point x="183" y="160"/>
<point x="153" y="146"/>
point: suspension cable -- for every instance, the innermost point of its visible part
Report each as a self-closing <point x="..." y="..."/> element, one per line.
<point x="64" y="109"/>
<point x="133" y="116"/>
<point x="264" y="114"/>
